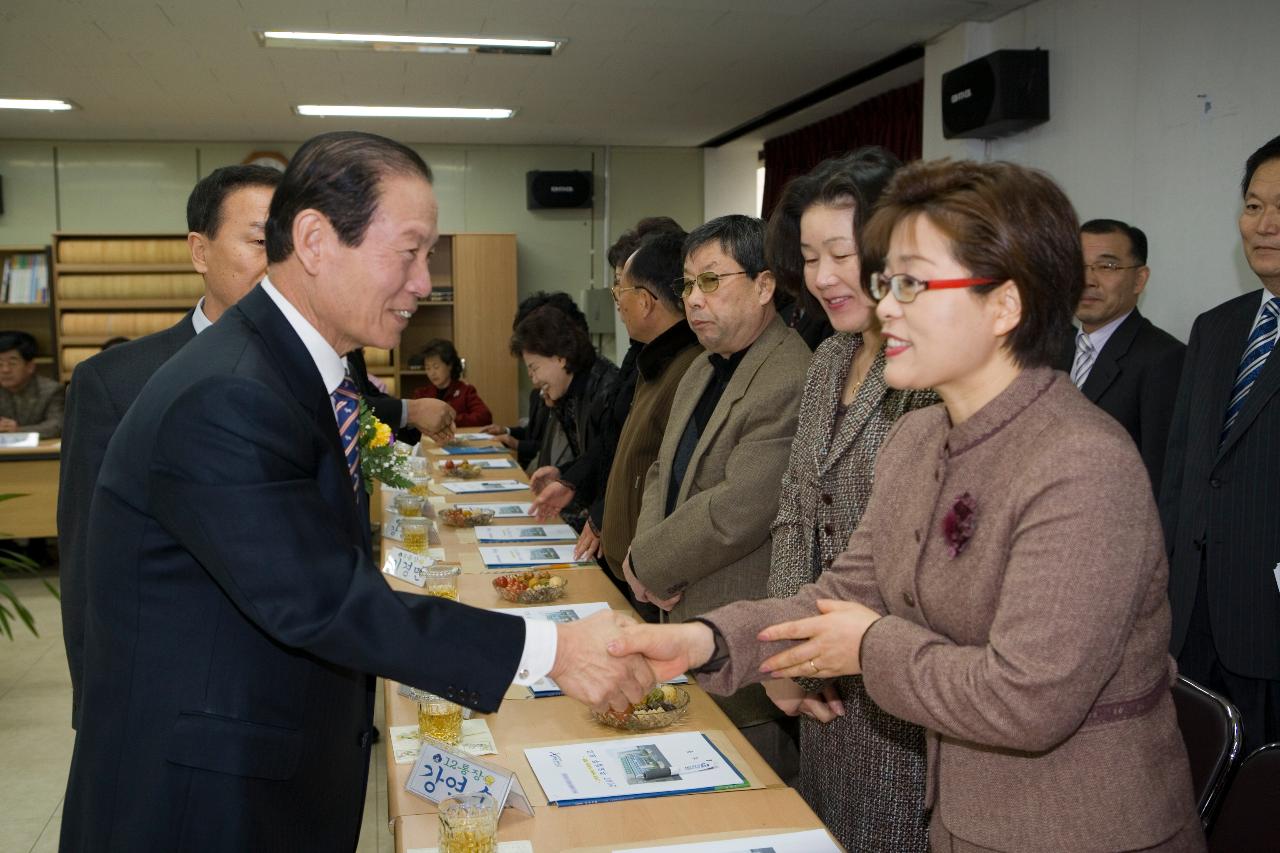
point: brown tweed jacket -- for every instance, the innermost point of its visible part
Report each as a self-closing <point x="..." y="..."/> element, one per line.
<point x="715" y="546"/>
<point x="1036" y="656"/>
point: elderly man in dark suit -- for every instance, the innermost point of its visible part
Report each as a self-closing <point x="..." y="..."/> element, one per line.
<point x="1122" y="361"/>
<point x="702" y="538"/>
<point x="234" y="615"/>
<point x="1222" y="480"/>
<point x="226" y="215"/>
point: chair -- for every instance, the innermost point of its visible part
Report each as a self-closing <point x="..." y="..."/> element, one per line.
<point x="1246" y="820"/>
<point x="1213" y="735"/>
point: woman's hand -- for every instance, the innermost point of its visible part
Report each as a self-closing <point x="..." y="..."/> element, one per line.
<point x="831" y="644"/>
<point x="494" y="429"/>
<point x="588" y="547"/>
<point x="823" y="706"/>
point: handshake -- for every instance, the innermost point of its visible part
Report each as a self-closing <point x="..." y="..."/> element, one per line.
<point x="611" y="661"/>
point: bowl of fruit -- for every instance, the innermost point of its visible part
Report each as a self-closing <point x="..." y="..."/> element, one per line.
<point x="460" y="470"/>
<point x="537" y="587"/>
<point x="458" y="517"/>
<point x="664" y="705"/>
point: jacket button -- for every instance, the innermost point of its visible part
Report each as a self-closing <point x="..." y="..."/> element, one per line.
<point x="909" y="599"/>
<point x="827" y="562"/>
<point x="917" y="532"/>
<point x="937" y="475"/>
<point x="826" y="499"/>
<point x="1215" y="483"/>
<point x="363" y="740"/>
<point x="828" y="529"/>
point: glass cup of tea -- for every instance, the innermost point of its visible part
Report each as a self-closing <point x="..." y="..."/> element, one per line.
<point x="439" y="718"/>
<point x="414" y="534"/>
<point x="469" y="824"/>
<point x="409" y="505"/>
<point x="442" y="580"/>
<point x="419" y="484"/>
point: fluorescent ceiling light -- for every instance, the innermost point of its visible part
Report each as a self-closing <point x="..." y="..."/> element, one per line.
<point x="415" y="44"/>
<point x="35" y="104"/>
<point x="400" y="112"/>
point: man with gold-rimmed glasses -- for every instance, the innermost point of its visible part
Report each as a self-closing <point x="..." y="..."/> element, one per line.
<point x="703" y="536"/>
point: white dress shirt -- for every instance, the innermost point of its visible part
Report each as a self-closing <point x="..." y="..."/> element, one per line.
<point x="540" y="635"/>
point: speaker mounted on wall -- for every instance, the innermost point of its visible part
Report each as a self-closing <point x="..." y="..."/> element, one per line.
<point x="1002" y="93"/>
<point x="545" y="189"/>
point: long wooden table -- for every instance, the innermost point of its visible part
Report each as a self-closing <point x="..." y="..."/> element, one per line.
<point x="33" y="473"/>
<point x="523" y="721"/>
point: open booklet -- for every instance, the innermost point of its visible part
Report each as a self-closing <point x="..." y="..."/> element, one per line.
<point x="538" y="555"/>
<point x="526" y="533"/>
<point x="475" y="487"/>
<point x="807" y="841"/>
<point x="653" y="765"/>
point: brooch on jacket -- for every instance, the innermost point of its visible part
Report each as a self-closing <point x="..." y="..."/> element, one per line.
<point x="959" y="523"/>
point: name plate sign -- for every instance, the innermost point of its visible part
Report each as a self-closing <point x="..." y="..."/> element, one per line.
<point x="408" y="566"/>
<point x="442" y="772"/>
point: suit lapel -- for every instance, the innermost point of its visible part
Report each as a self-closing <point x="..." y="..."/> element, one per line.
<point x="1264" y="387"/>
<point x="737" y="387"/>
<point x="1107" y="366"/>
<point x="682" y="406"/>
<point x="303" y="379"/>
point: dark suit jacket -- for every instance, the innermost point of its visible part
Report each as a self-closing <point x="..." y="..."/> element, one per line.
<point x="385" y="407"/>
<point x="1222" y="502"/>
<point x="1135" y="380"/>
<point x="102" y="390"/>
<point x="234" y="615"/>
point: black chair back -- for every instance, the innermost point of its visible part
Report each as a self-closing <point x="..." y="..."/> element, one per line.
<point x="1247" y="819"/>
<point x="1214" y="737"/>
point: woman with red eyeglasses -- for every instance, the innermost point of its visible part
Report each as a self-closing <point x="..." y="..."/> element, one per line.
<point x="1006" y="589"/>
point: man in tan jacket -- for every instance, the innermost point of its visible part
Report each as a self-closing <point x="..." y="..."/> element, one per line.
<point x="702" y="539"/>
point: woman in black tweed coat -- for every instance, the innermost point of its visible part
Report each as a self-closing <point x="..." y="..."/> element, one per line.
<point x="861" y="770"/>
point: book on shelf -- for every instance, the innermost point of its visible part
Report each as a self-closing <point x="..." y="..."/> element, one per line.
<point x="131" y="286"/>
<point x="115" y="250"/>
<point x="130" y="324"/>
<point x="24" y="279"/>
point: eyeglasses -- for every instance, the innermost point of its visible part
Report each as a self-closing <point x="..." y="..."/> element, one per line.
<point x="617" y="288"/>
<point x="906" y="288"/>
<point x="1109" y="267"/>
<point x="707" y="282"/>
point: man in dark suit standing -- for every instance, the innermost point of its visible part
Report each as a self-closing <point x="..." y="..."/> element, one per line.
<point x="1222" y="480"/>
<point x="233" y="612"/>
<point x="226" y="218"/>
<point x="1122" y="362"/>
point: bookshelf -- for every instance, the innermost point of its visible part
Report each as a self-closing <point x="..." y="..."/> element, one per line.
<point x="110" y="285"/>
<point x="106" y="285"/>
<point x="34" y="318"/>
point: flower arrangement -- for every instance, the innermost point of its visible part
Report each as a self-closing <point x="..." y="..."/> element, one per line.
<point x="379" y="458"/>
<point x="959" y="524"/>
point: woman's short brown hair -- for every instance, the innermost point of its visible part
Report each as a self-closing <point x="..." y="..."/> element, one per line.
<point x="548" y="332"/>
<point x="1006" y="222"/>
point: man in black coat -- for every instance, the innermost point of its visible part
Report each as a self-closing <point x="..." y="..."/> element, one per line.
<point x="1122" y="362"/>
<point x="1221" y="485"/>
<point x="235" y="618"/>
<point x="226" y="216"/>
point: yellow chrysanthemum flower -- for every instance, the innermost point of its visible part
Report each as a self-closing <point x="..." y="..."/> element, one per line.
<point x="382" y="437"/>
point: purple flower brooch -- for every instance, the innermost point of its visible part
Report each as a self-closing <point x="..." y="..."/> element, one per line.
<point x="959" y="523"/>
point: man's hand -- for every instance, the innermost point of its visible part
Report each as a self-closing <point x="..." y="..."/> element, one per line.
<point x="588" y="547"/>
<point x="540" y="478"/>
<point x="551" y="500"/>
<point x="509" y="441"/>
<point x="433" y="417"/>
<point x="494" y="429"/>
<point x="641" y="592"/>
<point x="8" y="425"/>
<point x="823" y="706"/>
<point x="585" y="670"/>
<point x="832" y="642"/>
<point x="669" y="649"/>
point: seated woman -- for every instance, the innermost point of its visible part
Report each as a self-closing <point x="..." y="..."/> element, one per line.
<point x="444" y="370"/>
<point x="1006" y="589"/>
<point x="578" y="387"/>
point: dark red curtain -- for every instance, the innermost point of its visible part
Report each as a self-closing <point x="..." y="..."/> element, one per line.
<point x="894" y="120"/>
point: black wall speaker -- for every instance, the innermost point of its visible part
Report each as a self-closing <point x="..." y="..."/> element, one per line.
<point x="558" y="189"/>
<point x="1002" y="93"/>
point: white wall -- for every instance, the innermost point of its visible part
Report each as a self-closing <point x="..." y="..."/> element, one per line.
<point x="1155" y="105"/>
<point x="729" y="178"/>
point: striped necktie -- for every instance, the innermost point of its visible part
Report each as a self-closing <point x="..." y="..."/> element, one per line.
<point x="1085" y="354"/>
<point x="346" y="404"/>
<point x="1261" y="340"/>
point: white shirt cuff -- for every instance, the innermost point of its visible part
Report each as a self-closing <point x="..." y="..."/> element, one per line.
<point x="539" y="652"/>
<point x="404" y="414"/>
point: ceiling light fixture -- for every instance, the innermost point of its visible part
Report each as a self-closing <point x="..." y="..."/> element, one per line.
<point x="412" y="44"/>
<point x="358" y="111"/>
<point x="35" y="104"/>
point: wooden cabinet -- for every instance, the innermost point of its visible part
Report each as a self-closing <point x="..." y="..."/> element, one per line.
<point x="35" y="318"/>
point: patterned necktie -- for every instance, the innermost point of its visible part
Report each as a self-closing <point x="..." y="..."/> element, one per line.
<point x="346" y="403"/>
<point x="1084" y="359"/>
<point x="1261" y="340"/>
